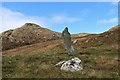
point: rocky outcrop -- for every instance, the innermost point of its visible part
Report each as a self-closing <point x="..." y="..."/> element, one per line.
<point x="71" y="65"/>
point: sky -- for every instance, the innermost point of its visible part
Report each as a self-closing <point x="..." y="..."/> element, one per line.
<point x="79" y="17"/>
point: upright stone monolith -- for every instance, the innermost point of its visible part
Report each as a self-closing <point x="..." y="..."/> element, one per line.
<point x="67" y="41"/>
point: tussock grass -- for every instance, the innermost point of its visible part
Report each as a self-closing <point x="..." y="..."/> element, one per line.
<point x="96" y="64"/>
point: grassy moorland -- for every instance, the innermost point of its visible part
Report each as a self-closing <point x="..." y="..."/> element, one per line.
<point x="98" y="63"/>
<point x="98" y="52"/>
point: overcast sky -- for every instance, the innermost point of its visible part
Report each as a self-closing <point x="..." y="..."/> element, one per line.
<point x="90" y="17"/>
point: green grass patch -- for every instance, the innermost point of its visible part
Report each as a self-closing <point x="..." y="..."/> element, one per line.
<point x="96" y="64"/>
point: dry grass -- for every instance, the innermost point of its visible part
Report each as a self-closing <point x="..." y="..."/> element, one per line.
<point x="42" y="65"/>
<point x="99" y="55"/>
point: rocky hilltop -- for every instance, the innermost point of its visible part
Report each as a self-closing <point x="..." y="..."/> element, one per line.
<point x="28" y="34"/>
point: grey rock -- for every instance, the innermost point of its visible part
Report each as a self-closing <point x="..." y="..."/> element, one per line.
<point x="67" y="41"/>
<point x="71" y="65"/>
<point x="60" y="63"/>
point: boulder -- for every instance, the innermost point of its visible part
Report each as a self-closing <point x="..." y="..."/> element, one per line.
<point x="71" y="65"/>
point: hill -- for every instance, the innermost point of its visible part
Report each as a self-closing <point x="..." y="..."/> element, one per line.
<point x="114" y="28"/>
<point x="109" y="37"/>
<point x="98" y="53"/>
<point x="28" y="34"/>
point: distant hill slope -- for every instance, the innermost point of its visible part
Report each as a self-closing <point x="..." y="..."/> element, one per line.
<point x="79" y="35"/>
<point x="29" y="33"/>
<point x="114" y="28"/>
<point x="109" y="38"/>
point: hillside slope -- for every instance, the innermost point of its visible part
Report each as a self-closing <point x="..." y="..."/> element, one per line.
<point x="98" y="53"/>
<point x="109" y="38"/>
<point x="28" y="34"/>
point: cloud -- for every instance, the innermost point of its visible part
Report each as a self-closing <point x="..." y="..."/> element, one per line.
<point x="13" y="19"/>
<point x="63" y="19"/>
<point x="114" y="3"/>
<point x="107" y="21"/>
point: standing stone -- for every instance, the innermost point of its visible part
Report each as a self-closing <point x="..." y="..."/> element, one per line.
<point x="67" y="41"/>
